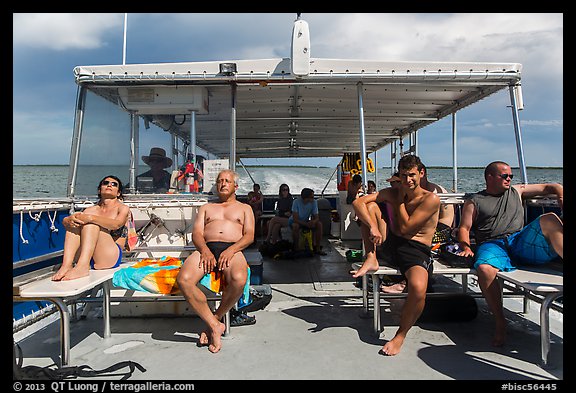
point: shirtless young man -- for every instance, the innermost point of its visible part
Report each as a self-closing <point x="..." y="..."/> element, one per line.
<point x="221" y="231"/>
<point x="90" y="234"/>
<point x="408" y="245"/>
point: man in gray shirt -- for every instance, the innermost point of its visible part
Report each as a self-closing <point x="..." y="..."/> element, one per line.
<point x="496" y="216"/>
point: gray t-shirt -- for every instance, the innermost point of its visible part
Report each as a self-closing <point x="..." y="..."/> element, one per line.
<point x="498" y="215"/>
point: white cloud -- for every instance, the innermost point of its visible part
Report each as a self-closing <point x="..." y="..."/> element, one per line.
<point x="543" y="123"/>
<point x="63" y="31"/>
<point x="445" y="37"/>
<point x="535" y="40"/>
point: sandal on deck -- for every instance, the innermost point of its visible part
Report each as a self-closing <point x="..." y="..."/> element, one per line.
<point x="239" y="318"/>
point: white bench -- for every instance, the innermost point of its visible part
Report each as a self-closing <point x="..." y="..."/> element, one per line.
<point x="547" y="285"/>
<point x="439" y="268"/>
<point x="541" y="284"/>
<point x="60" y="292"/>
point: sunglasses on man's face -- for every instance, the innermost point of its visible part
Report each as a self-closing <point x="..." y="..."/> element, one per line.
<point x="109" y="182"/>
<point x="506" y="176"/>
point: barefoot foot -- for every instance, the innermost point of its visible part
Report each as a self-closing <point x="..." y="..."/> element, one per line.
<point x="59" y="275"/>
<point x="369" y="265"/>
<point x="392" y="347"/>
<point x="394" y="288"/>
<point x="203" y="339"/>
<point x="216" y="338"/>
<point x="76" y="272"/>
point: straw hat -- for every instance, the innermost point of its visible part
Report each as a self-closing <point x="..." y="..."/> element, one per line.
<point x="159" y="154"/>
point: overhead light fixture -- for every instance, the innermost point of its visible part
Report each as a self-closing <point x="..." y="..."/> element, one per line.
<point x="228" y="68"/>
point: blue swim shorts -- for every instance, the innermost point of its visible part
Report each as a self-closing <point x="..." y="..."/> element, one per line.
<point x="525" y="247"/>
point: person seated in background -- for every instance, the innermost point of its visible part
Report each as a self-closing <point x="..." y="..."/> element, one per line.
<point x="90" y="235"/>
<point x="305" y="216"/>
<point x="283" y="212"/>
<point x="158" y="162"/>
<point x="255" y="200"/>
<point x="446" y="211"/>
<point x="371" y="187"/>
<point x="354" y="188"/>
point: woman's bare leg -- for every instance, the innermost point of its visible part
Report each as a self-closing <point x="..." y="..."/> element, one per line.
<point x="106" y="252"/>
<point x="279" y="222"/>
<point x="88" y="239"/>
<point x="71" y="248"/>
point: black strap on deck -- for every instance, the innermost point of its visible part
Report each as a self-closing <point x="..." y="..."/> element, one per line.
<point x="69" y="372"/>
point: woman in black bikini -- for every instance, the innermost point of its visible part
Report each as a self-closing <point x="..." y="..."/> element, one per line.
<point x="89" y="238"/>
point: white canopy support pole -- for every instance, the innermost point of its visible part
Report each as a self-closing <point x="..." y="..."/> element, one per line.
<point x="193" y="136"/>
<point x="233" y="129"/>
<point x="362" y="134"/>
<point x="124" y="46"/>
<point x="246" y="170"/>
<point x="134" y="148"/>
<point x="518" y="132"/>
<point x="375" y="169"/>
<point x="393" y="154"/>
<point x="174" y="144"/>
<point x="76" y="137"/>
<point x="454" y="154"/>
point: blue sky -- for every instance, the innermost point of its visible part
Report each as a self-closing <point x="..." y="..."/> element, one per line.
<point x="46" y="48"/>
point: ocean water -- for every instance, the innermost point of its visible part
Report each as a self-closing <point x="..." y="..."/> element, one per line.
<point x="34" y="181"/>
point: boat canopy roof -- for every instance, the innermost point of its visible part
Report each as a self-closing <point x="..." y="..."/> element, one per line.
<point x="273" y="112"/>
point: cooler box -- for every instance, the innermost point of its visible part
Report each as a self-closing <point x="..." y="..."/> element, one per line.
<point x="254" y="259"/>
<point x="256" y="270"/>
<point x="325" y="214"/>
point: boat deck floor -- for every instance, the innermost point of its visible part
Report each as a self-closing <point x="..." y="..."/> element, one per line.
<point x="313" y="329"/>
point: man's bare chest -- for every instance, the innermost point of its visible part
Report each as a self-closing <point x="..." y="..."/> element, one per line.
<point x="230" y="213"/>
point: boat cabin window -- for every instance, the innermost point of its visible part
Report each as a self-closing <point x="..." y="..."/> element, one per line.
<point x="105" y="147"/>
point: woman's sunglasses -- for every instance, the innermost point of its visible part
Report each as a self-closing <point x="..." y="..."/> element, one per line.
<point x="109" y="182"/>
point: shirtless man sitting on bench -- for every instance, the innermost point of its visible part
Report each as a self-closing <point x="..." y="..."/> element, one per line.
<point x="221" y="231"/>
<point x="408" y="246"/>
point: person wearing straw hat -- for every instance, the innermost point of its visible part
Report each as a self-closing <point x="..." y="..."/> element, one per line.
<point x="157" y="161"/>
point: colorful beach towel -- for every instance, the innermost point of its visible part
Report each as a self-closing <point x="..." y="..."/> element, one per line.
<point x="150" y="275"/>
<point x="214" y="281"/>
<point x="159" y="276"/>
